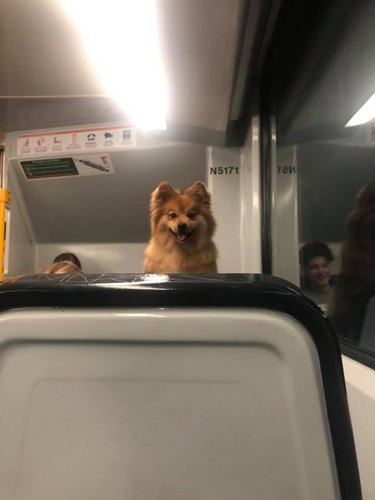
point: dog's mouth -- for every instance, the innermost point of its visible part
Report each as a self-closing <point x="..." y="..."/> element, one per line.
<point x="182" y="236"/>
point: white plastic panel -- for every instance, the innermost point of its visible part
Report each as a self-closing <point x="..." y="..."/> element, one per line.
<point x="161" y="404"/>
<point x="224" y="181"/>
<point x="360" y="383"/>
<point x="233" y="180"/>
<point x="285" y="237"/>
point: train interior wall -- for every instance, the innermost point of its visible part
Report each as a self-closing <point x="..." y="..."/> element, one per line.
<point x="104" y="218"/>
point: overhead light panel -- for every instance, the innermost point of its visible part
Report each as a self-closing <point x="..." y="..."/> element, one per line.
<point x="122" y="42"/>
<point x="365" y="114"/>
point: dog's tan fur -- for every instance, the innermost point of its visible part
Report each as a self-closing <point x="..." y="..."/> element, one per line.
<point x="189" y="250"/>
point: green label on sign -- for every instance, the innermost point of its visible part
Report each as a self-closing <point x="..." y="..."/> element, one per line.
<point x="57" y="167"/>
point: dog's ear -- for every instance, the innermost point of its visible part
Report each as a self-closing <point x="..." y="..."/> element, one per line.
<point x="162" y="193"/>
<point x="198" y="192"/>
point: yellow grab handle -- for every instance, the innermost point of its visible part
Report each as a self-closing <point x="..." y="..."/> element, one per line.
<point x="4" y="200"/>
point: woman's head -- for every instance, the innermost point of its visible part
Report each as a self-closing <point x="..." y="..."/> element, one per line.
<point x="69" y="257"/>
<point x="61" y="267"/>
<point x="315" y="258"/>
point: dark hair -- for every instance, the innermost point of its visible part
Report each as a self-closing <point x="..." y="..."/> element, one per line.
<point x="69" y="257"/>
<point x="312" y="250"/>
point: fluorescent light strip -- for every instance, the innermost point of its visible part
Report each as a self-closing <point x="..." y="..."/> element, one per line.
<point x="365" y="114"/>
<point x="122" y="43"/>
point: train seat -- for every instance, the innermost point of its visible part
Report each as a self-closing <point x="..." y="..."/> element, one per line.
<point x="170" y="387"/>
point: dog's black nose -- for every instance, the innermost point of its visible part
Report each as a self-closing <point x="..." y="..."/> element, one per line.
<point x="182" y="228"/>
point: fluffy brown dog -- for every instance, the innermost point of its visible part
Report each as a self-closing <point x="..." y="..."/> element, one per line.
<point x="182" y="226"/>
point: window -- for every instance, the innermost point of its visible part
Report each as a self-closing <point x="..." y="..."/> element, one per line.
<point x="323" y="177"/>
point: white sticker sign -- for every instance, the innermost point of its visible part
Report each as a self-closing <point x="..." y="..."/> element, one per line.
<point x="79" y="140"/>
<point x="93" y="164"/>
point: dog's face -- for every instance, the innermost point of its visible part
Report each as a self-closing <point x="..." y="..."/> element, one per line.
<point x="184" y="218"/>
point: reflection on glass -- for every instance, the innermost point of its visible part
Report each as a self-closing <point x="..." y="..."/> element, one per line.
<point x="315" y="259"/>
<point x="355" y="287"/>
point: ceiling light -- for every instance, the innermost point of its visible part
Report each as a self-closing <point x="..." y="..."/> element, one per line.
<point x="122" y="42"/>
<point x="365" y="114"/>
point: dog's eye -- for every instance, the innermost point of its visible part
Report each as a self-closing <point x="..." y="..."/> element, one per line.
<point x="191" y="215"/>
<point x="172" y="215"/>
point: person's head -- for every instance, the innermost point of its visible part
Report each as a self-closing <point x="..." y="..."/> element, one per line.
<point x="315" y="258"/>
<point x="61" y="267"/>
<point x="68" y="257"/>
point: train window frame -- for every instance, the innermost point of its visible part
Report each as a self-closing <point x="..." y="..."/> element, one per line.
<point x="287" y="78"/>
<point x="355" y="351"/>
